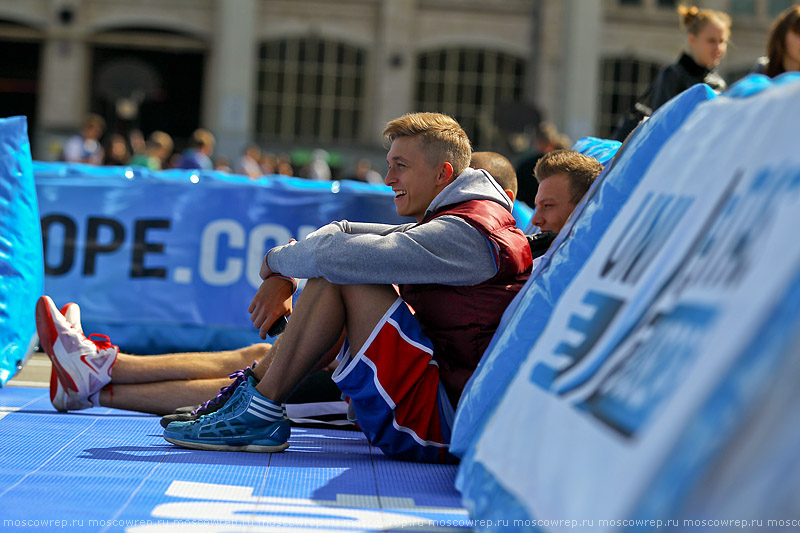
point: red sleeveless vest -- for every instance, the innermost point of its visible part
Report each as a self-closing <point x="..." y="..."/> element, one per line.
<point x="461" y="320"/>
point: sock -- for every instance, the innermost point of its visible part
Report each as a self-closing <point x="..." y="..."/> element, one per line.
<point x="265" y="409"/>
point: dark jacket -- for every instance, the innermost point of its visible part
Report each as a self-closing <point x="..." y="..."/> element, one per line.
<point x="461" y="320"/>
<point x="676" y="77"/>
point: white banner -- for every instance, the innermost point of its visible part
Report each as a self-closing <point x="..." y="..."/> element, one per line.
<point x="676" y="288"/>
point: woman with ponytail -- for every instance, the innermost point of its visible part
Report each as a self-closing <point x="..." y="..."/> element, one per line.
<point x="707" y="33"/>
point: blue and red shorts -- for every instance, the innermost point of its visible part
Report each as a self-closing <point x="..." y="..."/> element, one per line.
<point x="394" y="389"/>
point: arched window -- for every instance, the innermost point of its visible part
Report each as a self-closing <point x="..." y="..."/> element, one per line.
<point x="310" y="89"/>
<point x="468" y="84"/>
<point x="623" y="80"/>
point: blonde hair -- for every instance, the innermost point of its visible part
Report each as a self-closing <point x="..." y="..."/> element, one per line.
<point x="695" y="19"/>
<point x="162" y="139"/>
<point x="203" y="137"/>
<point x="443" y="138"/>
<point x="580" y="170"/>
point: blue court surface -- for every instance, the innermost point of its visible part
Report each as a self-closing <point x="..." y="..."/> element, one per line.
<point x="109" y="470"/>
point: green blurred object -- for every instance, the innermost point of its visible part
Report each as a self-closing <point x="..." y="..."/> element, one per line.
<point x="302" y="156"/>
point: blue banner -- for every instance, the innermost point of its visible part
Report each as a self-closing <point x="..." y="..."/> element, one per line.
<point x="169" y="261"/>
<point x="651" y="336"/>
<point x="20" y="248"/>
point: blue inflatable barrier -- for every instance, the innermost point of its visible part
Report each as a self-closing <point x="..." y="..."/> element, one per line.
<point x="169" y="260"/>
<point x="21" y="273"/>
<point x="646" y="341"/>
<point x="535" y="302"/>
<point x="603" y="150"/>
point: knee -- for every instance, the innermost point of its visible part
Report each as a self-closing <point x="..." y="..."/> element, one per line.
<point x="319" y="284"/>
<point x="369" y="291"/>
<point x="255" y="352"/>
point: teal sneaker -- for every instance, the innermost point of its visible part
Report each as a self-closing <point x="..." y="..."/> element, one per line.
<point x="246" y="423"/>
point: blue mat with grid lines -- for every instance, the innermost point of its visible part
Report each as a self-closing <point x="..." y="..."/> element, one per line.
<point x="109" y="470"/>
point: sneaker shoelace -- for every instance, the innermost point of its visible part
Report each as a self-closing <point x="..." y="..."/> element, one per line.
<point x="224" y="393"/>
<point x="103" y="342"/>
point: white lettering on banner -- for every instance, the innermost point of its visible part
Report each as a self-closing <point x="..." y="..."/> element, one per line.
<point x="209" y="252"/>
<point x="256" y="248"/>
<point x="216" y="507"/>
<point x="219" y="266"/>
<point x="182" y="275"/>
<point x="303" y="231"/>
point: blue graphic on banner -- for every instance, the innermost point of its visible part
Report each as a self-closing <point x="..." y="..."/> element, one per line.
<point x="694" y="357"/>
<point x="605" y="309"/>
<point x="761" y="386"/>
<point x="659" y="360"/>
<point x="21" y="274"/>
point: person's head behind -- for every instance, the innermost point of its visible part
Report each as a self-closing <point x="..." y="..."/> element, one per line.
<point x="160" y="144"/>
<point x="203" y="140"/>
<point x="428" y="151"/>
<point x="707" y="31"/>
<point x="500" y="168"/>
<point x="118" y="149"/>
<point x="93" y="126"/>
<point x="564" y="176"/>
<point x="547" y="138"/>
<point x="783" y="45"/>
<point x="253" y="151"/>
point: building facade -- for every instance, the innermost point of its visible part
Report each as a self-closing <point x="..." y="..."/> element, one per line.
<point x="324" y="73"/>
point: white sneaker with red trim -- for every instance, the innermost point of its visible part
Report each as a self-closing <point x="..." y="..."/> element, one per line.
<point x="81" y="365"/>
<point x="58" y="394"/>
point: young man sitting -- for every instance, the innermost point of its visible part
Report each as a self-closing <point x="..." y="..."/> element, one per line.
<point x="458" y="267"/>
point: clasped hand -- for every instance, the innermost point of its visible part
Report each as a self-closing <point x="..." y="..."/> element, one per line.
<point x="273" y="299"/>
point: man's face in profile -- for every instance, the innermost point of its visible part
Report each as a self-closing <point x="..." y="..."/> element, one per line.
<point x="553" y="204"/>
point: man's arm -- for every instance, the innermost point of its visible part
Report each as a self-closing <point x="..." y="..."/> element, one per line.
<point x="446" y="250"/>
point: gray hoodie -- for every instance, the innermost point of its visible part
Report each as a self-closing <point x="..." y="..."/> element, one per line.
<point x="446" y="250"/>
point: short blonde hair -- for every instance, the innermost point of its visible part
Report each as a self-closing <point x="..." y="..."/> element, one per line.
<point x="580" y="170"/>
<point x="442" y="136"/>
<point x="203" y="137"/>
<point x="162" y="139"/>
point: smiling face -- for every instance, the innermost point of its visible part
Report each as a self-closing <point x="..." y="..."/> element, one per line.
<point x="553" y="203"/>
<point x="709" y="45"/>
<point x="413" y="178"/>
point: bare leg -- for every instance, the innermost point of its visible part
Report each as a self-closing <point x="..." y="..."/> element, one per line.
<point x="327" y="360"/>
<point x="163" y="397"/>
<point x="321" y="314"/>
<point x="183" y="366"/>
